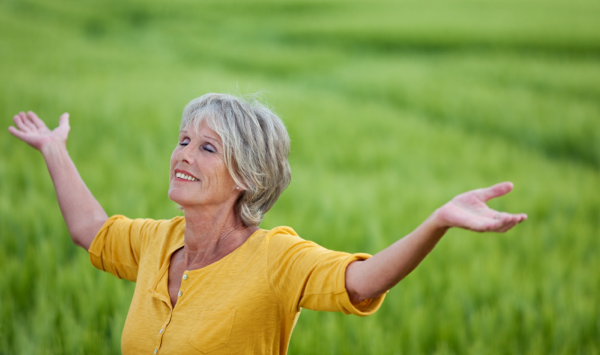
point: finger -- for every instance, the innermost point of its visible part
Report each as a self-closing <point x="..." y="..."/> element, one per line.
<point x="504" y="216"/>
<point x="512" y="217"/>
<point x="27" y="121"/>
<point x="495" y="191"/>
<point x="500" y="222"/>
<point x="507" y="226"/>
<point x="17" y="133"/>
<point x="39" y="124"/>
<point x="18" y="119"/>
<point x="64" y="119"/>
<point x="486" y="225"/>
<point x="511" y="220"/>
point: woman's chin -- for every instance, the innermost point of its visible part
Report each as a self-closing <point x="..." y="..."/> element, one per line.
<point x="178" y="198"/>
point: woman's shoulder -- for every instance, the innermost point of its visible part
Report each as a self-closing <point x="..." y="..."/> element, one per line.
<point x="281" y="231"/>
<point x="144" y="227"/>
<point x="282" y="238"/>
<point x="264" y="238"/>
<point x="166" y="227"/>
<point x="118" y="218"/>
<point x="278" y="233"/>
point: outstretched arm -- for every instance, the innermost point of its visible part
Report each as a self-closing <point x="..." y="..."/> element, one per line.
<point x="374" y="276"/>
<point x="82" y="213"/>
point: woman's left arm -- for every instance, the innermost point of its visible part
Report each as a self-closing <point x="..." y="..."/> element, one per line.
<point x="374" y="276"/>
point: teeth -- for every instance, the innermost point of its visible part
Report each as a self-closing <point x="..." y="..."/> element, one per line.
<point x="186" y="177"/>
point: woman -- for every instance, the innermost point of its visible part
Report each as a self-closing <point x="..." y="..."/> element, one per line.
<point x="213" y="281"/>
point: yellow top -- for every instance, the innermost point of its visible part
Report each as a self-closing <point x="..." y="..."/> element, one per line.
<point x="246" y="303"/>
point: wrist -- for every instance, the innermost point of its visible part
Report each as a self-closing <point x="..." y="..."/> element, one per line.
<point x="52" y="147"/>
<point x="437" y="223"/>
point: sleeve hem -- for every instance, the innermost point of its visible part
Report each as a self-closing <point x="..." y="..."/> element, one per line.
<point x="97" y="245"/>
<point x="366" y="307"/>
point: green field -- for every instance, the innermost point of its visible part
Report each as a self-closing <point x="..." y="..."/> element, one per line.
<point x="392" y="107"/>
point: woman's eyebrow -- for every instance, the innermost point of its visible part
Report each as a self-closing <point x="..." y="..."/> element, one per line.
<point x="211" y="138"/>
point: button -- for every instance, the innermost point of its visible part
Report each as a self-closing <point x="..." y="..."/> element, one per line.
<point x="185" y="277"/>
<point x="160" y="331"/>
<point x="180" y="293"/>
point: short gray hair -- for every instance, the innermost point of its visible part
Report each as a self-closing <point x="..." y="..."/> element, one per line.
<point x="256" y="147"/>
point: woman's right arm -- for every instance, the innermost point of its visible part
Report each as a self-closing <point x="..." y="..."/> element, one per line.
<point x="82" y="213"/>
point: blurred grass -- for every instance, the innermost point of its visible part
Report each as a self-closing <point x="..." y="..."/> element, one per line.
<point x="392" y="107"/>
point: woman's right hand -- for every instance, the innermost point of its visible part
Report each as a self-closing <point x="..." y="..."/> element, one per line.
<point x="82" y="212"/>
<point x="33" y="131"/>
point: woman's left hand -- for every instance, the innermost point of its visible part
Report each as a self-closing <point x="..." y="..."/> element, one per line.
<point x="372" y="277"/>
<point x="469" y="211"/>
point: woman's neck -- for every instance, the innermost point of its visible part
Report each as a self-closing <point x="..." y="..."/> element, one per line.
<point x="211" y="235"/>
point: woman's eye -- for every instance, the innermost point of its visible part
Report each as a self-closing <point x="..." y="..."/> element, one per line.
<point x="209" y="148"/>
<point x="184" y="142"/>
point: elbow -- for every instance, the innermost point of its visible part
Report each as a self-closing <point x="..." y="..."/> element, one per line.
<point x="359" y="297"/>
<point x="359" y="287"/>
<point x="79" y="242"/>
<point x="362" y="283"/>
<point x="81" y="238"/>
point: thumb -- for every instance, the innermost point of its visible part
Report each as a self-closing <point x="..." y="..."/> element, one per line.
<point x="64" y="120"/>
<point x="496" y="191"/>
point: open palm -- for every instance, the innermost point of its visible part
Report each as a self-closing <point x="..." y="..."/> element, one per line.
<point x="470" y="211"/>
<point x="33" y="131"/>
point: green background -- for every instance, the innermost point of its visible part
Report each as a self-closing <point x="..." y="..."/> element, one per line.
<point x="392" y="107"/>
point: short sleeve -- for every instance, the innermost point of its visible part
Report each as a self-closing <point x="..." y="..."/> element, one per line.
<point x="303" y="274"/>
<point x="118" y="245"/>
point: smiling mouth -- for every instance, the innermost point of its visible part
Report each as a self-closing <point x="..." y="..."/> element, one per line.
<point x="186" y="177"/>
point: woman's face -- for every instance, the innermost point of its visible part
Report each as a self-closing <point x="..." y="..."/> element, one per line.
<point x="198" y="176"/>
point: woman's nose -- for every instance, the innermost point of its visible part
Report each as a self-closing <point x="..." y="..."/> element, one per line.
<point x="185" y="155"/>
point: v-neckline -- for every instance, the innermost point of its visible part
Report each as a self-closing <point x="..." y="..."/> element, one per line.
<point x="234" y="251"/>
<point x="168" y="263"/>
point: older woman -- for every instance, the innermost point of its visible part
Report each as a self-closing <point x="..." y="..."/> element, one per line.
<point x="213" y="281"/>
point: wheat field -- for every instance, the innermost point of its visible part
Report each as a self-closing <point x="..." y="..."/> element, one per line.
<point x="393" y="108"/>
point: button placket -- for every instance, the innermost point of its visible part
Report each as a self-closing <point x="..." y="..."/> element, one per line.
<point x="183" y="284"/>
<point x="161" y="332"/>
<point x="160" y="291"/>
